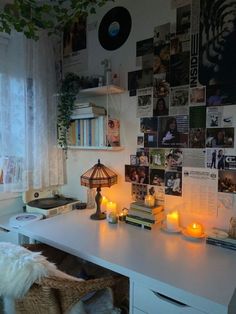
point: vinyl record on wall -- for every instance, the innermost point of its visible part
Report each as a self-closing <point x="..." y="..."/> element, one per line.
<point x="114" y="28"/>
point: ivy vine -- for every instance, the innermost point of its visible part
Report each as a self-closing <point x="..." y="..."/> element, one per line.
<point x="69" y="89"/>
<point x="31" y="16"/>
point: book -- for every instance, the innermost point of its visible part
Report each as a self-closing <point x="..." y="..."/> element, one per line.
<point x="138" y="225"/>
<point x="143" y="214"/>
<point x="226" y="245"/>
<point x="113" y="132"/>
<point x="227" y="241"/>
<point x="144" y="208"/>
<point x="89" y="110"/>
<point x="78" y="105"/>
<point x="145" y="220"/>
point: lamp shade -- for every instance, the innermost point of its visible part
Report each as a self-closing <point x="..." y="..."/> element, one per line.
<point x="98" y="176"/>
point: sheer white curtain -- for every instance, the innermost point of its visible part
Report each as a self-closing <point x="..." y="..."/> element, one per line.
<point x="29" y="157"/>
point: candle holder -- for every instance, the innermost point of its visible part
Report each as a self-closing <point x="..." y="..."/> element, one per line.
<point x="194" y="231"/>
<point x="171" y="224"/>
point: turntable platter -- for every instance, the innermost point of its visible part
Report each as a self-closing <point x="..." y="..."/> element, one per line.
<point x="50" y="202"/>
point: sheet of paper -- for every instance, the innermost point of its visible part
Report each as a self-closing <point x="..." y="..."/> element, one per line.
<point x="200" y="190"/>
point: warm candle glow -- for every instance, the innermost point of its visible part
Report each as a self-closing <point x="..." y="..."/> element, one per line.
<point x="195" y="229"/>
<point x="172" y="221"/>
<point x="111" y="206"/>
<point x="149" y="200"/>
<point x="104" y="203"/>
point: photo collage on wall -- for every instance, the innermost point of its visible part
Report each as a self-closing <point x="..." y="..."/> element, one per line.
<point x="186" y="99"/>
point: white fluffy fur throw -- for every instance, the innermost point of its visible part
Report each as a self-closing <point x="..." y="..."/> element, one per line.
<point x="20" y="268"/>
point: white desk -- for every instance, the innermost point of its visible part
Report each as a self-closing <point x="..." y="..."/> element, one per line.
<point x="199" y="275"/>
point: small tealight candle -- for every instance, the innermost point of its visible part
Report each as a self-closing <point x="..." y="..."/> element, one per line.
<point x="172" y="221"/>
<point x="122" y="217"/>
<point x="112" y="217"/>
<point x="149" y="200"/>
<point x="195" y="230"/>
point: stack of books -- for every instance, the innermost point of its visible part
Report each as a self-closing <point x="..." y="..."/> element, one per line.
<point x="144" y="216"/>
<point x="87" y="110"/>
<point x="227" y="243"/>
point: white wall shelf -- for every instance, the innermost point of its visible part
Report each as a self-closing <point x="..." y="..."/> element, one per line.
<point x="102" y="91"/>
<point x="103" y="148"/>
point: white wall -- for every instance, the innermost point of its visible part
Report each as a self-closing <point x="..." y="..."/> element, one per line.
<point x="145" y="16"/>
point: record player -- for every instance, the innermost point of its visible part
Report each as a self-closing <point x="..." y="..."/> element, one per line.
<point x="48" y="203"/>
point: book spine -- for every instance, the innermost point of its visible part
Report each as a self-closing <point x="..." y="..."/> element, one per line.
<point x="224" y="242"/>
<point x="82" y="132"/>
<point x="152" y="221"/>
<point x="137" y="220"/>
<point x="226" y="246"/>
<point x="138" y="225"/>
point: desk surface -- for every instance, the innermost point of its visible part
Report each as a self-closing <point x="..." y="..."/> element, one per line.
<point x="183" y="269"/>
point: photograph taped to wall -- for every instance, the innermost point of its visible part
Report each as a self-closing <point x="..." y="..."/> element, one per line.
<point x="161" y="87"/>
<point x="140" y="140"/>
<point x="142" y="155"/>
<point x="138" y="192"/>
<point x="197" y="117"/>
<point x="157" y="177"/>
<point x="161" y="106"/>
<point x="220" y="95"/>
<point x="215" y="158"/>
<point x="150" y="139"/>
<point x="159" y="193"/>
<point x="148" y="125"/>
<point x="161" y="35"/>
<point x="230" y="162"/>
<point x="157" y="158"/>
<point x="183" y="17"/>
<point x="144" y="50"/>
<point x="133" y="160"/>
<point x="139" y="79"/>
<point x="173" y="159"/>
<point x="217" y="47"/>
<point x="194" y="157"/>
<point x="144" y="103"/>
<point x="221" y="116"/>
<point x="137" y="174"/>
<point x="220" y="137"/>
<point x="197" y="96"/>
<point x="173" y="131"/>
<point x="173" y="183"/>
<point x="227" y="181"/>
<point x="179" y="100"/>
<point x="197" y="138"/>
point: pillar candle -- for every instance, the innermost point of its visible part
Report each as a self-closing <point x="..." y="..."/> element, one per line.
<point x="172" y="221"/>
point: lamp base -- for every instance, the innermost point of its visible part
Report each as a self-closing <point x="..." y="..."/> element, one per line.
<point x="98" y="216"/>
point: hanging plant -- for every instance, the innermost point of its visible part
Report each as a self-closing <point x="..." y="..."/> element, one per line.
<point x="31" y="16"/>
<point x="67" y="95"/>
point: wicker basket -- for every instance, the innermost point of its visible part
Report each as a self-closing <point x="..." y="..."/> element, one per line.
<point x="53" y="295"/>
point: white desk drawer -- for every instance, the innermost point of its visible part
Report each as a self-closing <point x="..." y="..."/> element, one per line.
<point x="152" y="302"/>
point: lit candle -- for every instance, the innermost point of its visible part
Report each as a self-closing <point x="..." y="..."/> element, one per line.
<point x="111" y="208"/>
<point x="149" y="200"/>
<point x="172" y="221"/>
<point x="104" y="203"/>
<point x="195" y="230"/>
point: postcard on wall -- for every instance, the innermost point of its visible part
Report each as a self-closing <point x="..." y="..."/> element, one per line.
<point x="173" y="159"/>
<point x="173" y="131"/>
<point x="144" y="53"/>
<point x="159" y="193"/>
<point x="173" y="183"/>
<point x="227" y="181"/>
<point x="220" y="137"/>
<point x="157" y="158"/>
<point x="194" y="157"/>
<point x="200" y="190"/>
<point x="142" y="155"/>
<point x="150" y="139"/>
<point x="161" y="106"/>
<point x="139" y="79"/>
<point x="157" y="177"/>
<point x="144" y="102"/>
<point x="197" y="117"/>
<point x="224" y="116"/>
<point x="179" y="100"/>
<point x="138" y="192"/>
<point x="140" y="140"/>
<point x="197" y="138"/>
<point x="225" y="202"/>
<point x="197" y="96"/>
<point x="161" y="86"/>
<point x="137" y="174"/>
<point x="183" y="19"/>
<point x="230" y="162"/>
<point x="148" y="125"/>
<point x="215" y="158"/>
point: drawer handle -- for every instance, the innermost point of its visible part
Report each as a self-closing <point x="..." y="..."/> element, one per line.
<point x="3" y="229"/>
<point x="170" y="300"/>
